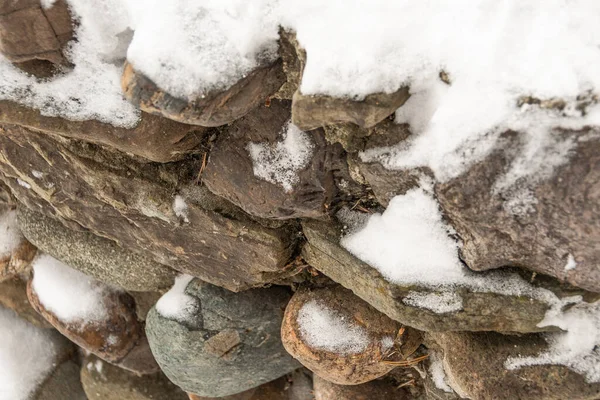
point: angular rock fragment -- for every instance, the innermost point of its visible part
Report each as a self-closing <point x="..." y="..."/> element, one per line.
<point x="478" y="311"/>
<point x="31" y="34"/>
<point x="474" y="364"/>
<point x="102" y="380"/>
<point x="96" y="317"/>
<point x="341" y="338"/>
<point x="216" y="343"/>
<point x="314" y="111"/>
<point x="374" y="390"/>
<point x="214" y="109"/>
<point x="153" y="138"/>
<point x="13" y="296"/>
<point x="115" y="197"/>
<point x="540" y="226"/>
<point x="16" y="252"/>
<point x="98" y="257"/>
<point x="270" y="169"/>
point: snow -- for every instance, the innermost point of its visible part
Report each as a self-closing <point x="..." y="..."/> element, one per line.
<point x="571" y="264"/>
<point x="92" y="89"/>
<point x="69" y="294"/>
<point x="387" y="342"/>
<point x="10" y="234"/>
<point x="176" y="304"/>
<point x="46" y="4"/>
<point x="37" y="174"/>
<point x="21" y="182"/>
<point x="180" y="208"/>
<point x="440" y="303"/>
<point x="325" y="329"/>
<point x="280" y="163"/>
<point x="578" y="348"/>
<point x="27" y="356"/>
<point x="436" y="370"/>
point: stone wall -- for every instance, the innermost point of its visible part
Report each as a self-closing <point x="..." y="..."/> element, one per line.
<point x="179" y="194"/>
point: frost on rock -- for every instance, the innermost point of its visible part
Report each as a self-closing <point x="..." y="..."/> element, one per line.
<point x="578" y="348"/>
<point x="280" y="163"/>
<point x="10" y="234"/>
<point x="440" y="303"/>
<point x="438" y="375"/>
<point x="176" y="304"/>
<point x="325" y="329"/>
<point x="69" y="294"/>
<point x="27" y="355"/>
<point x="92" y="89"/>
<point x="571" y="263"/>
<point x="180" y="208"/>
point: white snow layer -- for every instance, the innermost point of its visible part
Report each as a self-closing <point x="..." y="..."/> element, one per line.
<point x="27" y="356"/>
<point x="571" y="263"/>
<point x="325" y="329"/>
<point x="180" y="208"/>
<point x="440" y="303"/>
<point x="280" y="163"/>
<point x="68" y="293"/>
<point x="10" y="234"/>
<point x="176" y="304"/>
<point x="436" y="370"/>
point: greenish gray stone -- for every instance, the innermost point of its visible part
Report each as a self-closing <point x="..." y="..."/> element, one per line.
<point x="93" y="255"/>
<point x="231" y="346"/>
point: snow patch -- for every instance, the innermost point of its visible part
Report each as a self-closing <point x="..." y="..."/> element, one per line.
<point x="26" y="185"/>
<point x="180" y="208"/>
<point x="176" y="304"/>
<point x="571" y="263"/>
<point x="27" y="356"/>
<point x="325" y="329"/>
<point x="67" y="293"/>
<point x="10" y="234"/>
<point x="280" y="163"/>
<point x="440" y="303"/>
<point x="387" y="342"/>
<point x="46" y="4"/>
<point x="436" y="370"/>
<point x="37" y="174"/>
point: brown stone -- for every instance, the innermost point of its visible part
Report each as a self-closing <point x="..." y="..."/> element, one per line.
<point x="474" y="367"/>
<point x="564" y="218"/>
<point x="144" y="301"/>
<point x="230" y="174"/>
<point x="310" y="112"/>
<point x="119" y="339"/>
<point x="374" y="390"/>
<point x="63" y="383"/>
<point x="13" y="295"/>
<point x="105" y="381"/>
<point x="18" y="261"/>
<point x="28" y="32"/>
<point x="154" y="138"/>
<point x="215" y="108"/>
<point x="348" y="368"/>
<point x="115" y="197"/>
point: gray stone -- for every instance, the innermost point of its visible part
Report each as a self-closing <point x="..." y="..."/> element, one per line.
<point x="62" y="384"/>
<point x="481" y="311"/>
<point x="474" y="366"/>
<point x="234" y="344"/>
<point x="93" y="255"/>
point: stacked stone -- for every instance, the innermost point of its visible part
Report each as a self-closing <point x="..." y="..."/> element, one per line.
<point x="102" y="200"/>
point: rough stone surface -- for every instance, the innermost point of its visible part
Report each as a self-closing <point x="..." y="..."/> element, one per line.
<point x="118" y="339"/>
<point x="105" y="381"/>
<point x="215" y="108"/>
<point x="481" y="311"/>
<point x="310" y="112"/>
<point x="229" y="172"/>
<point x="153" y="138"/>
<point x="564" y="218"/>
<point x="474" y="366"/>
<point x="95" y="256"/>
<point x="144" y="301"/>
<point x="13" y="295"/>
<point x="62" y="384"/>
<point x="374" y="390"/>
<point x="18" y="262"/>
<point x="187" y="352"/>
<point x="29" y="32"/>
<point x="343" y="369"/>
<point x="354" y="138"/>
<point x="294" y="59"/>
<point x="131" y="203"/>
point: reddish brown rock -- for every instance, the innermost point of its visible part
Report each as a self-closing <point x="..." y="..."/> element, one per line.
<point x="119" y="339"/>
<point x="230" y="174"/>
<point x="562" y="216"/>
<point x="31" y="35"/>
<point x="153" y="138"/>
<point x="360" y="362"/>
<point x="17" y="260"/>
<point x="13" y="295"/>
<point x="374" y="390"/>
<point x="214" y="109"/>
